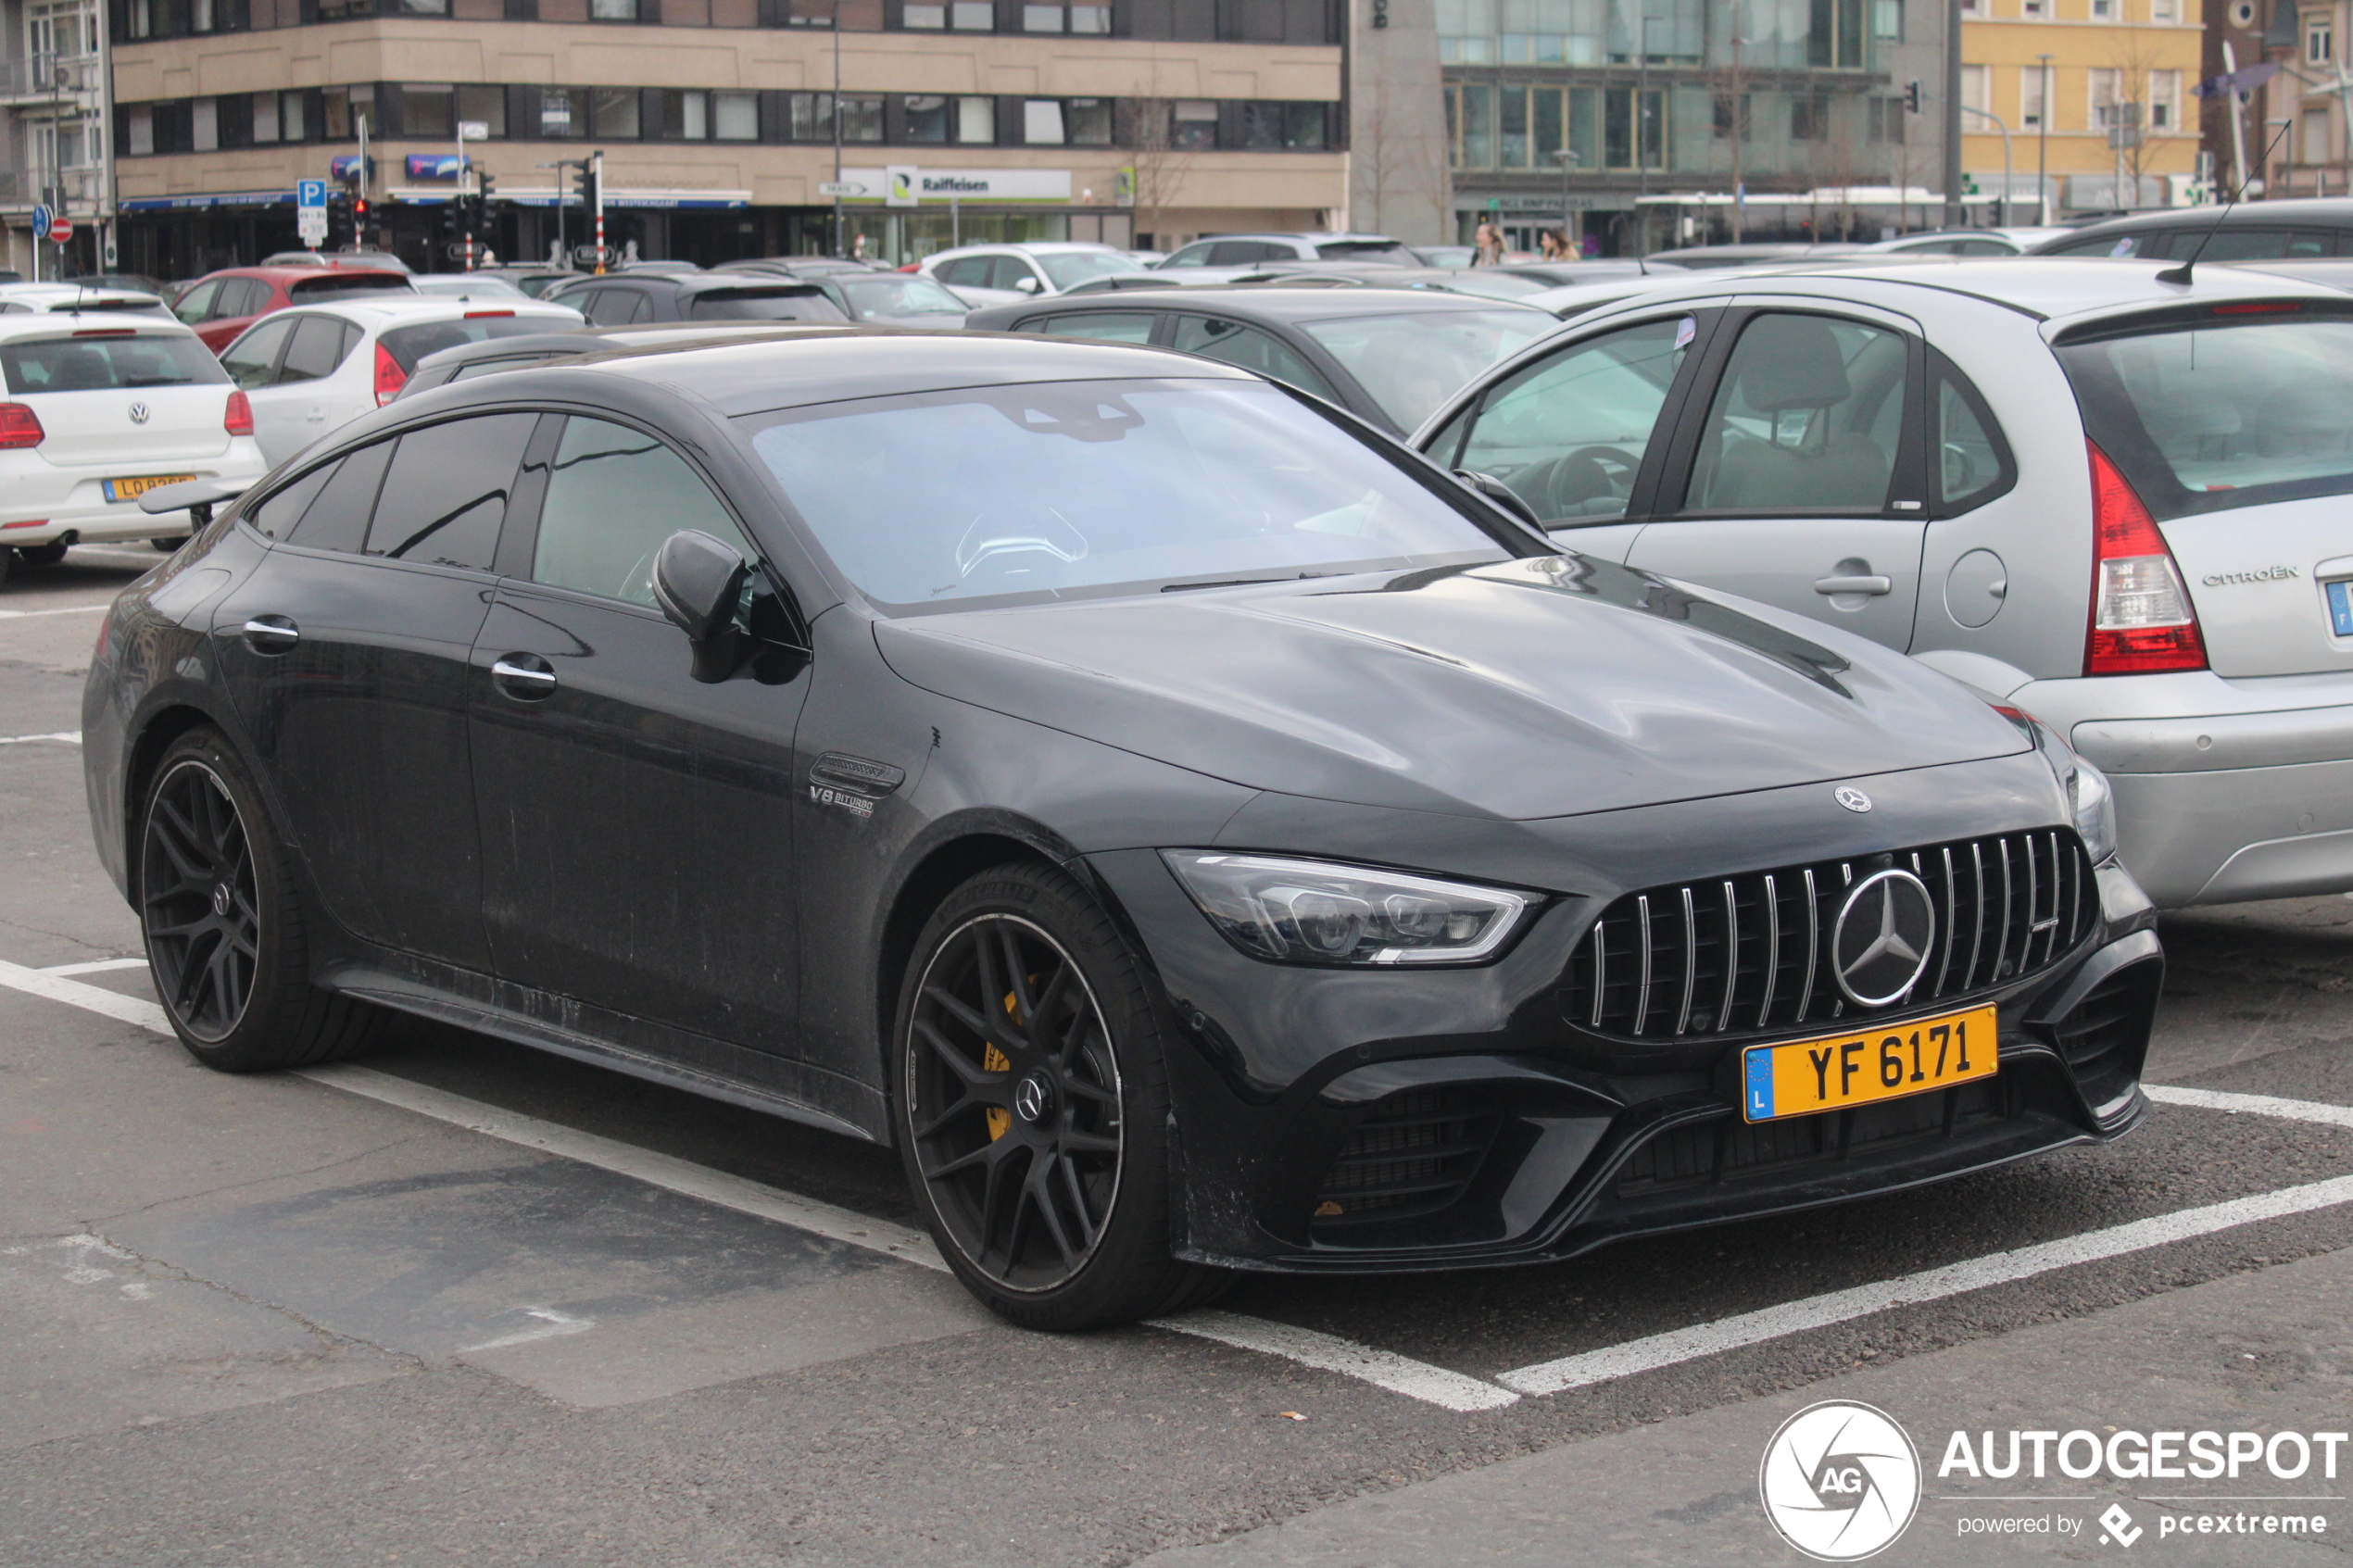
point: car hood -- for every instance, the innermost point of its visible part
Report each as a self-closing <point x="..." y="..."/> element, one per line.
<point x="1519" y="690"/>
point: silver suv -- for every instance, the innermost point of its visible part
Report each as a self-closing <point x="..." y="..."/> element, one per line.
<point x="2113" y="501"/>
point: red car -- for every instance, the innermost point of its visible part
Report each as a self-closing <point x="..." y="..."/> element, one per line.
<point x="220" y="305"/>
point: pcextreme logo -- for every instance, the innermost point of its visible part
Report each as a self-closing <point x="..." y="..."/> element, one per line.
<point x="1840" y="1481"/>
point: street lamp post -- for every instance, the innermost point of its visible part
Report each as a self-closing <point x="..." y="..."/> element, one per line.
<point x="2043" y="148"/>
<point x="1567" y="160"/>
<point x="841" y="241"/>
<point x="1641" y="142"/>
<point x="2002" y="208"/>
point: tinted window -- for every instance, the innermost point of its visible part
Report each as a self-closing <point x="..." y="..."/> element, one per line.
<point x="86" y="364"/>
<point x="1568" y="434"/>
<point x="192" y="307"/>
<point x="1009" y="272"/>
<point x="249" y="360"/>
<point x="2232" y="416"/>
<point x="899" y="294"/>
<point x="1972" y="461"/>
<point x="348" y="285"/>
<point x="316" y="350"/>
<point x="2262" y="245"/>
<point x="2142" y="244"/>
<point x="1807" y="418"/>
<point x="446" y="495"/>
<point x="242" y="296"/>
<point x="337" y="519"/>
<point x="1245" y="253"/>
<point x="1251" y="349"/>
<point x="760" y="305"/>
<point x="277" y="514"/>
<point x="1118" y="326"/>
<point x="1196" y="255"/>
<point x="408" y="345"/>
<point x="1055" y="489"/>
<point x="614" y="496"/>
<point x="1413" y="361"/>
<point x="1070" y="269"/>
<point x="970" y="270"/>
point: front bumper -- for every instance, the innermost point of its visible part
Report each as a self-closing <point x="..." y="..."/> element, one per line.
<point x="1490" y="1130"/>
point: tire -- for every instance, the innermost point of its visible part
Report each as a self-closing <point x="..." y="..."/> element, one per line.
<point x="224" y="924"/>
<point x="40" y="555"/>
<point x="1030" y="1099"/>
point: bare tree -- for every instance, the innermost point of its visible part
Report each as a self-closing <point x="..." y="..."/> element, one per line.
<point x="1160" y="163"/>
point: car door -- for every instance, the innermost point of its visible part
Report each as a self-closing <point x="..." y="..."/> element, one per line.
<point x="638" y="822"/>
<point x="233" y="310"/>
<point x="1581" y="433"/>
<point x="1798" y="474"/>
<point x="252" y="363"/>
<point x="345" y="653"/>
<point x="291" y="412"/>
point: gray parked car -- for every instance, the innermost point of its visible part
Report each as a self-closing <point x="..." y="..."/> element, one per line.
<point x="2112" y="501"/>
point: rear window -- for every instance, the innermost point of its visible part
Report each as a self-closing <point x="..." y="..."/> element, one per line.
<point x="1363" y="250"/>
<point x="2207" y="418"/>
<point x="408" y="345"/>
<point x="348" y="285"/>
<point x="1413" y="361"/>
<point x="104" y="364"/>
<point x="762" y="305"/>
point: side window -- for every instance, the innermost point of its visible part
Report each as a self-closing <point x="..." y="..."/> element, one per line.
<point x="1240" y="253"/>
<point x="196" y="305"/>
<point x="1568" y="434"/>
<point x="615" y="494"/>
<point x="2263" y="244"/>
<point x="1973" y="463"/>
<point x="1116" y="326"/>
<point x="1252" y="350"/>
<point x="972" y="271"/>
<point x="1195" y="255"/>
<point x="604" y="308"/>
<point x="240" y="297"/>
<point x="642" y="306"/>
<point x="275" y="517"/>
<point x="446" y="495"/>
<point x="249" y="360"/>
<point x="316" y="350"/>
<point x="337" y="519"/>
<point x="1007" y="273"/>
<point x="1807" y="418"/>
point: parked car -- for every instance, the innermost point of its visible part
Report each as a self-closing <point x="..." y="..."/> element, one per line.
<point x="1012" y="272"/>
<point x="1714" y="258"/>
<point x="310" y="371"/>
<point x="101" y="407"/>
<point x="622" y="299"/>
<point x="76" y="299"/>
<point x="467" y="285"/>
<point x="1563" y="274"/>
<point x="534" y="280"/>
<point x="222" y="305"/>
<point x="2128" y="521"/>
<point x="1250" y="250"/>
<point x="889" y="299"/>
<point x="1198" y="833"/>
<point x="371" y="260"/>
<point x="1970" y="242"/>
<point x="467" y="361"/>
<point x="1385" y="356"/>
<point x="2265" y="230"/>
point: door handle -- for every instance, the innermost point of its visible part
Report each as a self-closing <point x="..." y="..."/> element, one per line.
<point x="523" y="676"/>
<point x="271" y="633"/>
<point x="1859" y="584"/>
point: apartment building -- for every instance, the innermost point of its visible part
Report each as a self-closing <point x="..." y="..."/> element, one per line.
<point x="53" y="144"/>
<point x="1766" y="118"/>
<point x="2099" y="100"/>
<point x="2304" y="114"/>
<point x="727" y="126"/>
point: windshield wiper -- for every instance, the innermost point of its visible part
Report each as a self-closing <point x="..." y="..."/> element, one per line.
<point x="1242" y="581"/>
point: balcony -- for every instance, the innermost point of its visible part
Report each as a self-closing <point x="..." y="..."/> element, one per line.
<point x="43" y="78"/>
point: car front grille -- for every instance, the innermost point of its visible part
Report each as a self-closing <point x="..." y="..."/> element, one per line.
<point x="1727" y="1151"/>
<point x="1414" y="1153"/>
<point x="1750" y="954"/>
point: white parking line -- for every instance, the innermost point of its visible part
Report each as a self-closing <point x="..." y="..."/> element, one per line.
<point x="95" y="966"/>
<point x="71" y="737"/>
<point x="66" y="609"/>
<point x="1324" y="1352"/>
<point x="2254" y="1105"/>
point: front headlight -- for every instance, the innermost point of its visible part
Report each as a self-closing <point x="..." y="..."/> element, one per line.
<point x="1310" y="912"/>
<point x="2089" y="799"/>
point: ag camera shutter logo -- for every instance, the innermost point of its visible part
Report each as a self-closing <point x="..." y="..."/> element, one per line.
<point x="1840" y="1481"/>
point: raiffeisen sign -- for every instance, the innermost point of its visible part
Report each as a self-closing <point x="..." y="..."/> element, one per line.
<point x="906" y="185"/>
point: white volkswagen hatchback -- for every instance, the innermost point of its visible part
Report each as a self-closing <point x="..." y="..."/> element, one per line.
<point x="103" y="406"/>
<point x="310" y="370"/>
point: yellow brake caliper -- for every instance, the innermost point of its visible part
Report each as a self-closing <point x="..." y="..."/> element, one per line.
<point x="1000" y="1120"/>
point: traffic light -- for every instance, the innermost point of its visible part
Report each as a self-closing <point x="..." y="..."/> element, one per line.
<point x="1911" y="97"/>
<point x="584" y="182"/>
<point x="453" y="216"/>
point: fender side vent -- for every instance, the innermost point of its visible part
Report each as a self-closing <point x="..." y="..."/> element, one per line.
<point x="1414" y="1153"/>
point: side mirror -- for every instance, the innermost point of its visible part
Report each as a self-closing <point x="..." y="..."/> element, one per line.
<point x="1503" y="496"/>
<point x="698" y="583"/>
<point x="1026" y="286"/>
<point x="195" y="497"/>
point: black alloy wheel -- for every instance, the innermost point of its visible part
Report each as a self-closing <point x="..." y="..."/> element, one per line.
<point x="1032" y="1107"/>
<point x="1014" y="1098"/>
<point x="225" y="921"/>
<point x="198" y="901"/>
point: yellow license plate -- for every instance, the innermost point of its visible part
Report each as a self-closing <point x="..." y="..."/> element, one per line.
<point x="132" y="489"/>
<point x="1802" y="1077"/>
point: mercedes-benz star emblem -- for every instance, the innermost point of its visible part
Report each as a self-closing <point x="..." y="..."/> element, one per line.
<point x="1852" y="798"/>
<point x="138" y="413"/>
<point x="1029" y="1099"/>
<point x="1882" y="938"/>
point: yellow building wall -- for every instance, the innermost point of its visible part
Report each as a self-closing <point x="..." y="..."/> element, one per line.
<point x="2139" y="40"/>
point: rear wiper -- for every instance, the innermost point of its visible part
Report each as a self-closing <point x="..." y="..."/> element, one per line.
<point x="1241" y="582"/>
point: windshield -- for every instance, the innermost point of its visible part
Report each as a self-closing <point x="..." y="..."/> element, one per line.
<point x="2212" y="417"/>
<point x="91" y="363"/>
<point x="1087" y="488"/>
<point x="1071" y="268"/>
<point x="318" y="291"/>
<point x="798" y="302"/>
<point x="1413" y="361"/>
<point x="910" y="296"/>
<point x="408" y="345"/>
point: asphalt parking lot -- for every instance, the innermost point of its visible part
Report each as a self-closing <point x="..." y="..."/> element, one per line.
<point x="466" y="1303"/>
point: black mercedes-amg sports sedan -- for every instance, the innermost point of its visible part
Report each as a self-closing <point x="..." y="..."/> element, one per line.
<point x="1198" y="832"/>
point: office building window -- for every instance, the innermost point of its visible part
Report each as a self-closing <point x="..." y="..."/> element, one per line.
<point x="927" y="118"/>
<point x="563" y="112"/>
<point x="976" y="121"/>
<point x="2165" y="100"/>
<point x="142" y="131"/>
<point x="1088" y="121"/>
<point x="485" y="106"/>
<point x="612" y="10"/>
<point x="1621" y="124"/>
<point x="1887" y="19"/>
<point x="1731" y="112"/>
<point x="291" y="117"/>
<point x="2103" y="10"/>
<point x="1193" y="125"/>
<point x="204" y="122"/>
<point x="1886" y="120"/>
<point x="1974" y="89"/>
<point x="2101" y="100"/>
<point x="2167" y="11"/>
<point x="1809" y="117"/>
<point x="1041" y="122"/>
<point x="265" y="116"/>
<point x="2034" y="10"/>
<point x="734" y="117"/>
<point x="614" y="111"/>
<point x="428" y="110"/>
<point x="2031" y="82"/>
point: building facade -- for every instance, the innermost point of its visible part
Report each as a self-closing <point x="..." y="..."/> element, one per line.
<point x="53" y="125"/>
<point x="2303" y="115"/>
<point x="2099" y="100"/>
<point x="724" y="125"/>
<point x="1652" y="121"/>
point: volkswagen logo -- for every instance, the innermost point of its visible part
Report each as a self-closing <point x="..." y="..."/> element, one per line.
<point x="1852" y="798"/>
<point x="1881" y="941"/>
<point x="1030" y="1099"/>
<point x="139" y="413"/>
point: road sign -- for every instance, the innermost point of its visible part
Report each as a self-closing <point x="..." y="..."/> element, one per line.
<point x="463" y="250"/>
<point x="61" y="229"/>
<point x="829" y="189"/>
<point x="592" y="256"/>
<point x="473" y="129"/>
<point x="41" y="217"/>
<point x="311" y="225"/>
<point x="310" y="194"/>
